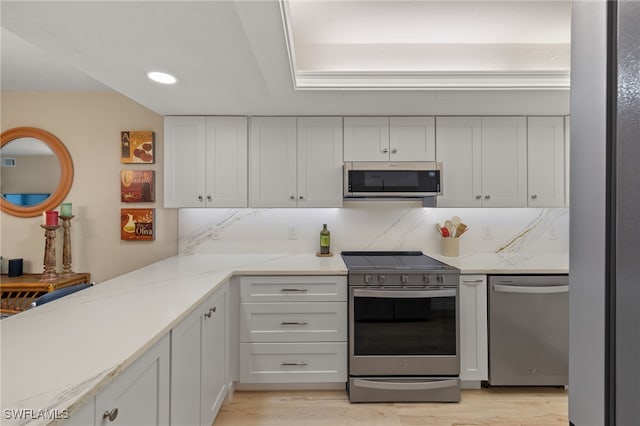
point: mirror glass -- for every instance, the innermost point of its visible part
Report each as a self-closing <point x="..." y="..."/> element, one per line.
<point x="36" y="173"/>
<point x="30" y="172"/>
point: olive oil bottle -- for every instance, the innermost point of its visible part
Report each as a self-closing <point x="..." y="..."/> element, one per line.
<point x="325" y="240"/>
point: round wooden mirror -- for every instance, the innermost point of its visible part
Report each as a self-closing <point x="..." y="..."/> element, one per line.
<point x="37" y="171"/>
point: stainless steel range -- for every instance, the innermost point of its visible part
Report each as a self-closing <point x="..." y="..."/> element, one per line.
<point x="403" y="328"/>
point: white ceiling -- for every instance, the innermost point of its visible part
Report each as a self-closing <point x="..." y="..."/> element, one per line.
<point x="231" y="57"/>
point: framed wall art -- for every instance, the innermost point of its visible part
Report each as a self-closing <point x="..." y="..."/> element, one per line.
<point x="137" y="186"/>
<point x="137" y="147"/>
<point x="137" y="224"/>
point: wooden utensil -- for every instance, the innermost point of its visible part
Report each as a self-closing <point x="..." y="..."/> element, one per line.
<point x="462" y="228"/>
<point x="439" y="228"/>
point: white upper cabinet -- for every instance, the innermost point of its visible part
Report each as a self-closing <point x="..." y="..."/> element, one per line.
<point x="459" y="145"/>
<point x="366" y="139"/>
<point x="484" y="161"/>
<point x="184" y="161"/>
<point x="296" y="162"/>
<point x="389" y="139"/>
<point x="205" y="162"/>
<point x="504" y="162"/>
<point x="412" y="139"/>
<point x="546" y="161"/>
<point x="320" y="161"/>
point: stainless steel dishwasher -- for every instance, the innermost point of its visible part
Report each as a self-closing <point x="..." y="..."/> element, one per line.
<point x="528" y="330"/>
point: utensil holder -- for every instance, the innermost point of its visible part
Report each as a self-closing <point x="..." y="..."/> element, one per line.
<point x="450" y="246"/>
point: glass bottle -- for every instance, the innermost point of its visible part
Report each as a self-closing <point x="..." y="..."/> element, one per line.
<point x="325" y="240"/>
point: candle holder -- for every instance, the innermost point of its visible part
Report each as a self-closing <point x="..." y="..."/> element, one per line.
<point x="66" y="245"/>
<point x="49" y="273"/>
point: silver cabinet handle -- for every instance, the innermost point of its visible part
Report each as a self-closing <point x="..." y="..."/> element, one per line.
<point x="208" y="314"/>
<point x="534" y="196"/>
<point x="293" y="323"/>
<point x="394" y="150"/>
<point x="301" y="197"/>
<point x="111" y="415"/>
<point x="293" y="197"/>
<point x="486" y="197"/>
<point x="530" y="289"/>
<point x="293" y="364"/>
<point x="385" y="150"/>
<point x="200" y="198"/>
<point x="291" y="290"/>
<point x="213" y="309"/>
<point x="472" y="281"/>
<point x="478" y="197"/>
<point x="209" y="198"/>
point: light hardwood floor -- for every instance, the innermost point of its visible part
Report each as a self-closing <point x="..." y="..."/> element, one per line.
<point x="482" y="407"/>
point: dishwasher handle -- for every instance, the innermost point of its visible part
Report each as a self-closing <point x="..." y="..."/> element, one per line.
<point x="548" y="289"/>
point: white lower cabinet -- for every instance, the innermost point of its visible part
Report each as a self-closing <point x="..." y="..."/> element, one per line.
<point x="199" y="362"/>
<point x="298" y="335"/>
<point x="140" y="394"/>
<point x="474" y="365"/>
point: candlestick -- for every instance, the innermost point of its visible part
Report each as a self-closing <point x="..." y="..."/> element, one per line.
<point x="65" y="209"/>
<point x="49" y="253"/>
<point x="66" y="244"/>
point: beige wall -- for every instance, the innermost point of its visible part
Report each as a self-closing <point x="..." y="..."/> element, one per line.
<point x="89" y="124"/>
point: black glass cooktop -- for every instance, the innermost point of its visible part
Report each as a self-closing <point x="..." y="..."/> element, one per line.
<point x="392" y="261"/>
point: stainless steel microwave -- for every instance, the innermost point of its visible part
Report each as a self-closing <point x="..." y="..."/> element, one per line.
<point x="392" y="179"/>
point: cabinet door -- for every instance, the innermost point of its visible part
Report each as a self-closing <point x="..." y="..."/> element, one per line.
<point x="366" y="139"/>
<point x="504" y="162"/>
<point x="273" y="172"/>
<point x="458" y="147"/>
<point x="214" y="358"/>
<point x="226" y="184"/>
<point x="545" y="161"/>
<point x="186" y="340"/>
<point x="474" y="364"/>
<point x="184" y="161"/>
<point x="140" y="394"/>
<point x="412" y="139"/>
<point x="320" y="162"/>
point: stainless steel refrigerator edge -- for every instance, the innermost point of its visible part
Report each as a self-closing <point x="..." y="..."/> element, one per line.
<point x="604" y="268"/>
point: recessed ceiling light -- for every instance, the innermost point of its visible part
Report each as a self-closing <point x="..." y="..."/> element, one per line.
<point x="161" y="77"/>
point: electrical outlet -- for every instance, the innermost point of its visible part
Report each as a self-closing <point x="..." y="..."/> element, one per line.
<point x="216" y="234"/>
<point x="486" y="232"/>
<point x="293" y="233"/>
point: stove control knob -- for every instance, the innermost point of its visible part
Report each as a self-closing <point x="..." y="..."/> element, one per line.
<point x="404" y="278"/>
<point x="427" y="279"/>
<point x="382" y="279"/>
<point x="440" y="279"/>
<point x="368" y="279"/>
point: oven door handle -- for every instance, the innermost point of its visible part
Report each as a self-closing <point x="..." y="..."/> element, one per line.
<point x="406" y="294"/>
<point x="417" y="386"/>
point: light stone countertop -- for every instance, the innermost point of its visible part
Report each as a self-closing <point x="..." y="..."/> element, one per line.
<point x="508" y="263"/>
<point x="59" y="355"/>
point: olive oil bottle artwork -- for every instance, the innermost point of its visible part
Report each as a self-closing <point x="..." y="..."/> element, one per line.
<point x="137" y="147"/>
<point x="137" y="224"/>
<point x="137" y="186"/>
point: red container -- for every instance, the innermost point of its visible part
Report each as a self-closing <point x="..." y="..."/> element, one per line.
<point x="52" y="218"/>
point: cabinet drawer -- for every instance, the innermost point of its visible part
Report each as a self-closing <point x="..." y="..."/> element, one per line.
<point x="293" y="362"/>
<point x="293" y="322"/>
<point x="293" y="289"/>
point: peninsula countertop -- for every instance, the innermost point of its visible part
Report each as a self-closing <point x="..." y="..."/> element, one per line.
<point x="56" y="357"/>
<point x="59" y="355"/>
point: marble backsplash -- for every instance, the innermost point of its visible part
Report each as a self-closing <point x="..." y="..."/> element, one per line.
<point x="371" y="225"/>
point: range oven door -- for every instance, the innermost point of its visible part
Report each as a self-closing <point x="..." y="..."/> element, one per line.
<point x="400" y="332"/>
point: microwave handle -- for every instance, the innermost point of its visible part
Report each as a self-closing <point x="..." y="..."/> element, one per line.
<point x="357" y="292"/>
